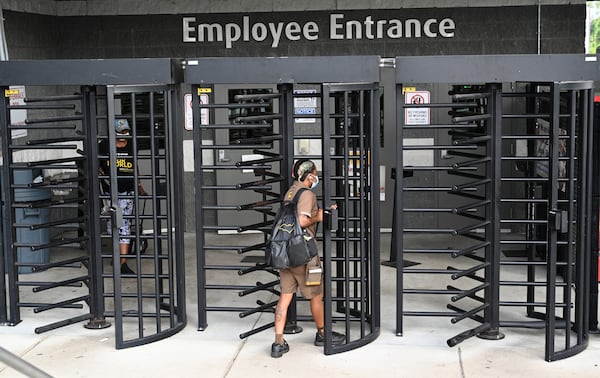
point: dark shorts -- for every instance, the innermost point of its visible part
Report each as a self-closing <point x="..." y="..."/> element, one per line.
<point x="294" y="278"/>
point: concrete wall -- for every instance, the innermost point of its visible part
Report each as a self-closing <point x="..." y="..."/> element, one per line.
<point x="502" y="30"/>
<point x="143" y="7"/>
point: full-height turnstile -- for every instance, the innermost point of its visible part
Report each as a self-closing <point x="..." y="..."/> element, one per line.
<point x="512" y="194"/>
<point x="282" y="110"/>
<point x="150" y="304"/>
<point x="51" y="166"/>
<point x="515" y="194"/>
<point x="44" y="170"/>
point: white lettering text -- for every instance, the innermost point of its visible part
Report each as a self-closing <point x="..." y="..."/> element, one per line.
<point x="340" y="28"/>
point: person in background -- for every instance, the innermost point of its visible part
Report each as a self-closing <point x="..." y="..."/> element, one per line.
<point x="292" y="279"/>
<point x="125" y="182"/>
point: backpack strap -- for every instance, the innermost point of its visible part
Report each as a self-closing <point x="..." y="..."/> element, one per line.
<point x="297" y="196"/>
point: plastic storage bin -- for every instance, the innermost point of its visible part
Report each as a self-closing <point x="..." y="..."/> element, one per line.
<point x="31" y="216"/>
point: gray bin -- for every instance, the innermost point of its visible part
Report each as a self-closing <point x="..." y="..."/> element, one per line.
<point x="31" y="216"/>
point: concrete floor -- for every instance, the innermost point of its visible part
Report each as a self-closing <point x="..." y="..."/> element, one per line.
<point x="74" y="351"/>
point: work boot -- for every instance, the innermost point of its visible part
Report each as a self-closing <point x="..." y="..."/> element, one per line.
<point x="125" y="269"/>
<point x="336" y="338"/>
<point x="277" y="350"/>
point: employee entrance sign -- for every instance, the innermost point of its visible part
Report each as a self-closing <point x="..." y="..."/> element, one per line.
<point x="416" y="116"/>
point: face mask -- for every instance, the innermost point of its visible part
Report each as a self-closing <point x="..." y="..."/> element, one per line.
<point x="314" y="184"/>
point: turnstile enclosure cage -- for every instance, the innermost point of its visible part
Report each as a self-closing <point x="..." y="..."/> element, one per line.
<point x="517" y="156"/>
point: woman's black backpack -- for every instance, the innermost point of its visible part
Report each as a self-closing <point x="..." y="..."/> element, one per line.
<point x="289" y="245"/>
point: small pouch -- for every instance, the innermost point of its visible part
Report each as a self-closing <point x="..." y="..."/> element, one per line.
<point x="314" y="273"/>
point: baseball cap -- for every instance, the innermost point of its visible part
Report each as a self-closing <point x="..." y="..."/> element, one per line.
<point x="121" y="125"/>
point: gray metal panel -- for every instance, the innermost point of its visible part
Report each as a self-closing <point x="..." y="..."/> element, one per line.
<point x="280" y="70"/>
<point x="90" y="71"/>
<point x="496" y="68"/>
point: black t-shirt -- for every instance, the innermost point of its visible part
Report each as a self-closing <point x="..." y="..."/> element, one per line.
<point x="124" y="163"/>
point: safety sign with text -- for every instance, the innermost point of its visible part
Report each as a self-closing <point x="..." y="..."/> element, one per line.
<point x="416" y="115"/>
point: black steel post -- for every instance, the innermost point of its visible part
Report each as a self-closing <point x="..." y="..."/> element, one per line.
<point x="493" y="250"/>
<point x="392" y="259"/>
<point x="176" y="157"/>
<point x="4" y="248"/>
<point x="398" y="223"/>
<point x="92" y="185"/>
<point x="198" y="180"/>
<point x="9" y="235"/>
<point x="594" y="152"/>
<point x="552" y="232"/>
<point x="286" y="108"/>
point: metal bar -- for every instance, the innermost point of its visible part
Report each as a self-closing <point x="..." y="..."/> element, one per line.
<point x="48" y="141"/>
<point x="71" y="301"/>
<point x="590" y="241"/>
<point x="472" y="140"/>
<point x="570" y="186"/>
<point x="467" y="293"/>
<point x="53" y="119"/>
<point x="21" y="365"/>
<point x="468" y="334"/>
<point x="49" y="162"/>
<point x="262" y="117"/>
<point x="470" y="96"/>
<point x="243" y="126"/>
<point x="286" y="149"/>
<point x="51" y="285"/>
<point x="63" y="323"/>
<point x="42" y="107"/>
<point x="398" y="220"/>
<point x="462" y="209"/>
<point x="200" y="239"/>
<point x="234" y="105"/>
<point x="469" y="163"/>
<point x="53" y="98"/>
<point x="255" y="330"/>
<point x="550" y="304"/>
<point x="437" y="147"/>
<point x="42" y="127"/>
<point x="468" y="314"/>
<point x="455" y="152"/>
<point x="257" y="96"/>
<point x="480" y="117"/>
<point x="259" y="287"/>
<point x="267" y="307"/>
<point x="585" y="288"/>
<point x="469" y="271"/>
<point x="6" y="215"/>
<point x="92" y="187"/>
<point x="439" y="126"/>
<point x="442" y="105"/>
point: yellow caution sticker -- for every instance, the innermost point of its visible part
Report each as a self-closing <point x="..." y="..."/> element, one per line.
<point x="11" y="92"/>
<point x="204" y="90"/>
<point x="408" y="89"/>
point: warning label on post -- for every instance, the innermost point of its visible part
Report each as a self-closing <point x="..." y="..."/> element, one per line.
<point x="189" y="115"/>
<point x="416" y="116"/>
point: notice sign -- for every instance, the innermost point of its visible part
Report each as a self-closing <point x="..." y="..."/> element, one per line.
<point x="16" y="95"/>
<point x="189" y="115"/>
<point x="305" y="105"/>
<point x="416" y="116"/>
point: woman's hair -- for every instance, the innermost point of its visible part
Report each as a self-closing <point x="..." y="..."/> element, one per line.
<point x="302" y="168"/>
